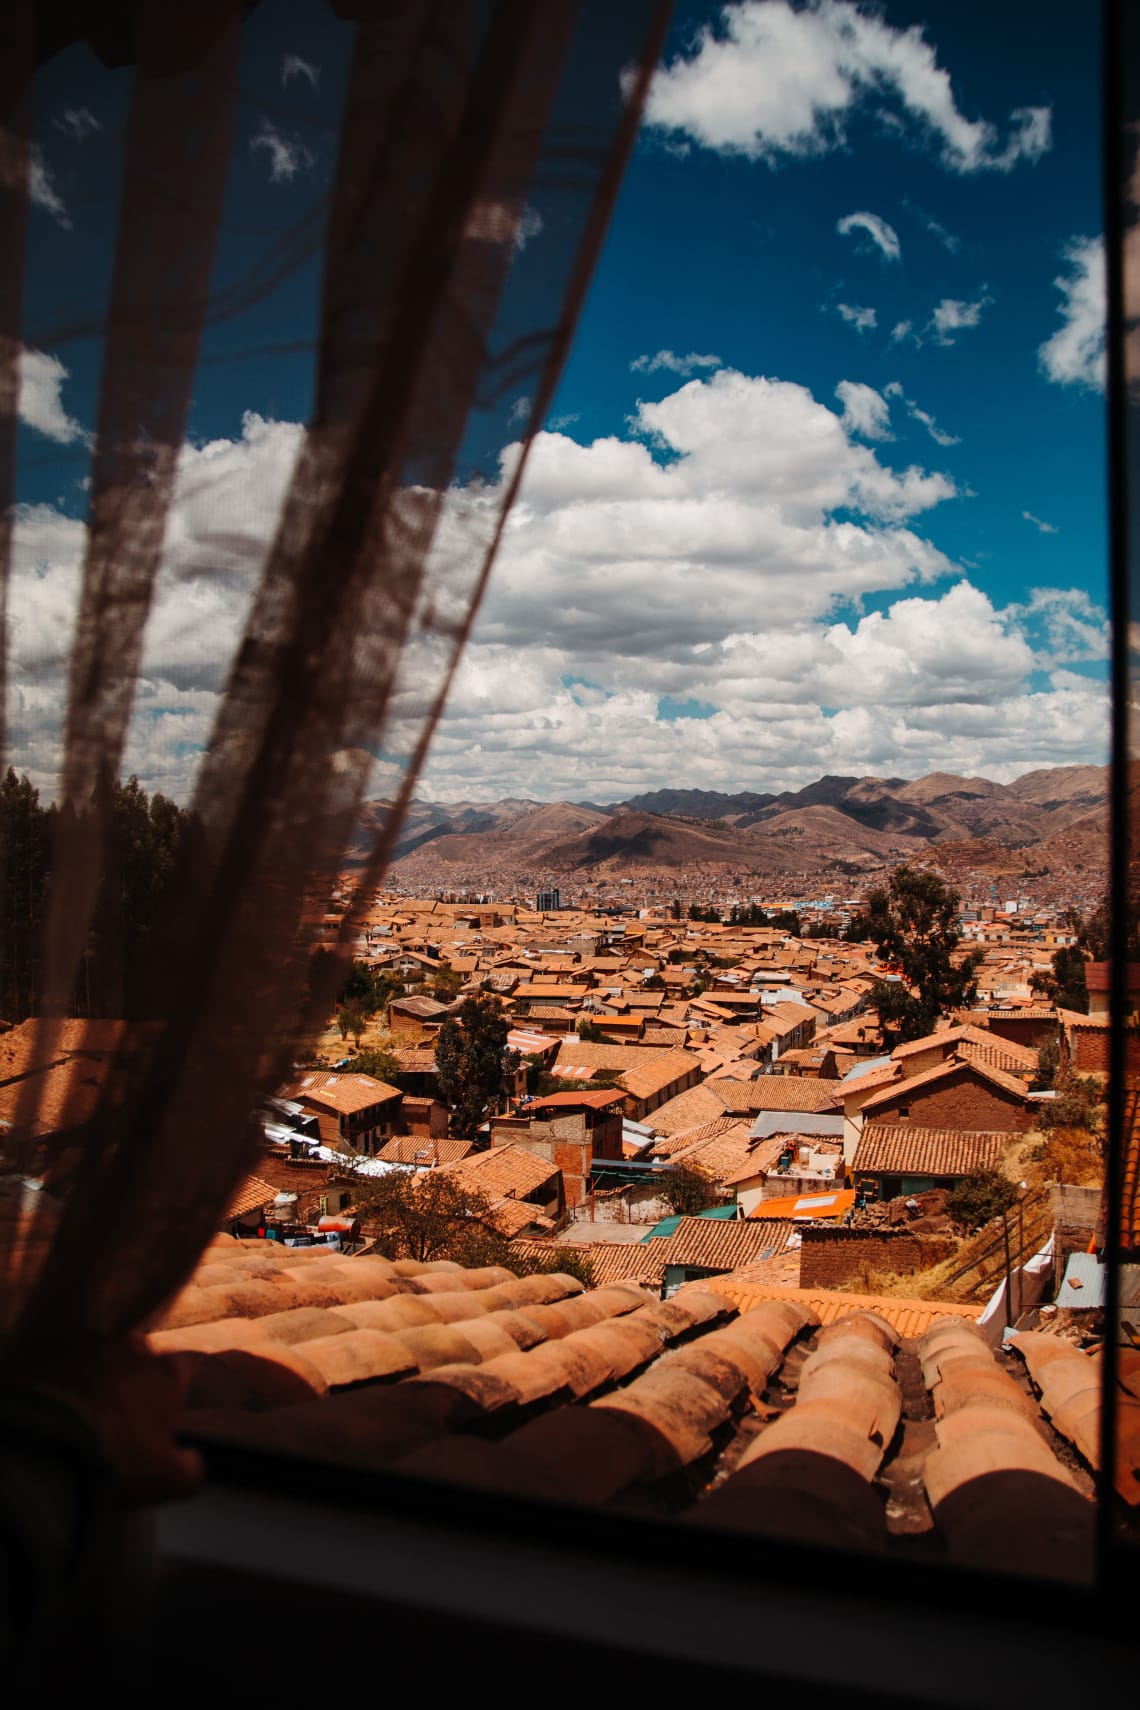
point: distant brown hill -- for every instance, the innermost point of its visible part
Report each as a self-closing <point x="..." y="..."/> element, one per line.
<point x="843" y="824"/>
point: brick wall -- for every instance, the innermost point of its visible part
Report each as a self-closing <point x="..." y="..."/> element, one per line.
<point x="831" y="1258"/>
<point x="963" y="1104"/>
<point x="1085" y="1050"/>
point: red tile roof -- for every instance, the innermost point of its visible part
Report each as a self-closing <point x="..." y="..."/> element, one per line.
<point x="419" y="1149"/>
<point x="533" y="1386"/>
<point x="599" y="1100"/>
<point x="887" y="1148"/>
<point x="345" y="1093"/>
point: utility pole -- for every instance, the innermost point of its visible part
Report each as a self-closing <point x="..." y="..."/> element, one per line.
<point x="1008" y="1271"/>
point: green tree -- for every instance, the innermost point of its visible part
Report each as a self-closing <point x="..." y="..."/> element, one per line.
<point x="535" y="1067"/>
<point x="1048" y="1057"/>
<point x="471" y="1059"/>
<point x="914" y="923"/>
<point x="1094" y="935"/>
<point x="351" y="1018"/>
<point x="445" y="986"/>
<point x="380" y="1062"/>
<point x="687" y="1190"/>
<point x="371" y="988"/>
<point x="24" y="858"/>
<point x="147" y="840"/>
<point x="1079" y="1103"/>
<point x="980" y="1197"/>
<point x="1066" y="985"/>
<point x="427" y="1215"/>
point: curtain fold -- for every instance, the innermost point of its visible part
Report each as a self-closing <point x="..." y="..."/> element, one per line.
<point x="443" y="324"/>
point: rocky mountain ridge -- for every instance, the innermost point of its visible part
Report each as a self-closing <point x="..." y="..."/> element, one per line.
<point x="837" y="823"/>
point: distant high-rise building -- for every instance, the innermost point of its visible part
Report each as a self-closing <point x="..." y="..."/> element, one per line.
<point x="547" y="901"/>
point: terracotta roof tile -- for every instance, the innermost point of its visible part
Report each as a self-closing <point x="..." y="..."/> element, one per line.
<point x="532" y="1385"/>
<point x="502" y="1171"/>
<point x="908" y="1317"/>
<point x="345" y="1093"/>
<point x="252" y="1194"/>
<point x="415" y="1149"/>
<point x="904" y="1149"/>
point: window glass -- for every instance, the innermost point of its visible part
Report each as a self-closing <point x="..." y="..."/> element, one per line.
<point x="706" y="1116"/>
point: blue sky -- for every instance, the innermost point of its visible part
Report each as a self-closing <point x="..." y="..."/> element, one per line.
<point x="713" y="252"/>
<point x="823" y="485"/>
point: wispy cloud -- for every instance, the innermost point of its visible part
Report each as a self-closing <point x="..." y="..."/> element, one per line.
<point x="1075" y="354"/>
<point x="293" y="66"/>
<point x="949" y="240"/>
<point x="923" y="417"/>
<point x="1043" y="527"/>
<point x="79" y="123"/>
<point x="667" y="361"/>
<point x="901" y="330"/>
<point x="1075" y="630"/>
<point x="883" y="236"/>
<point x="44" y="193"/>
<point x="287" y="155"/>
<point x="862" y="319"/>
<point x="952" y="316"/>
<point x="530" y="224"/>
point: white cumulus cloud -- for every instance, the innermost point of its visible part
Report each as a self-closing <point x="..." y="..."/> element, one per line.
<point x="721" y="551"/>
<point x="41" y="400"/>
<point x="865" y="411"/>
<point x="771" y="81"/>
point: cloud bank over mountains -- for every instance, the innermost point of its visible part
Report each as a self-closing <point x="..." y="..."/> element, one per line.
<point x="683" y="604"/>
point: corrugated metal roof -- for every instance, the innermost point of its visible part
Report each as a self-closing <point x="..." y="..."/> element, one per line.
<point x="1082" y="1289"/>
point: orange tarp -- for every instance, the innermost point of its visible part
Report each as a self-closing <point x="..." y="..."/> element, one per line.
<point x="834" y="1204"/>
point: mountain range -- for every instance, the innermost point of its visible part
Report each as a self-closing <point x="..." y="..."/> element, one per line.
<point x="839" y="824"/>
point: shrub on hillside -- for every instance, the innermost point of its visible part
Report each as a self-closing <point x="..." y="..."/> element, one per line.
<point x="1078" y="1104"/>
<point x="979" y="1198"/>
<point x="1072" y="1155"/>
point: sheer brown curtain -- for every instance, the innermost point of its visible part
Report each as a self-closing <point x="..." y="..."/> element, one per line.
<point x="439" y="333"/>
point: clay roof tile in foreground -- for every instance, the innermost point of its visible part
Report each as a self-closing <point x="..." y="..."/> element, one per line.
<point x="531" y="1385"/>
